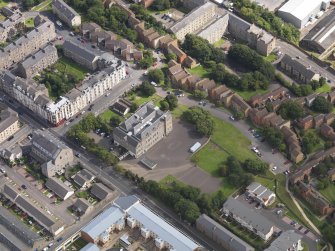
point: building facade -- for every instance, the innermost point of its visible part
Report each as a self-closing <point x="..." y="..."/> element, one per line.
<point x="66" y="13"/>
<point x="27" y="44"/>
<point x="147" y="126"/>
<point x="9" y="122"/>
<point x="8" y="26"/>
<point x="38" y="61"/>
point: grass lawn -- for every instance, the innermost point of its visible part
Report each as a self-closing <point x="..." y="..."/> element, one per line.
<point x="67" y="66"/>
<point x="246" y="95"/>
<point x="271" y="58"/>
<point x="329" y="192"/>
<point x="29" y="22"/>
<point x="199" y="71"/>
<point x="219" y="43"/>
<point x="231" y="140"/>
<point x="324" y="88"/>
<point x="177" y="112"/>
<point x="46" y="5"/>
<point x="267" y="182"/>
<point x="108" y="114"/>
<point x="139" y="100"/>
<point x="204" y="158"/>
<point x="2" y="17"/>
<point x="3" y="3"/>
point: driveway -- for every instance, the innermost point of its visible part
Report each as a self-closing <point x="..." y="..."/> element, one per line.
<point x="276" y="159"/>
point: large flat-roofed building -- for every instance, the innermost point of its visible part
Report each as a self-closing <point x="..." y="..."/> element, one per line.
<point x="221" y="235"/>
<point x="83" y="56"/>
<point x="129" y="211"/>
<point x="248" y="218"/>
<point x="321" y="38"/>
<point x="51" y="152"/>
<point x="66" y="13"/>
<point x="300" y="12"/>
<point x="27" y="44"/>
<point x="51" y="224"/>
<point x="9" y="122"/>
<point x="287" y="241"/>
<point x="298" y="69"/>
<point x="195" y="20"/>
<point x="147" y="126"/>
<point x="38" y="61"/>
<point x="260" y="194"/>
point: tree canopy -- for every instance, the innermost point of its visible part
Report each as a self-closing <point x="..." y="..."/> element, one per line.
<point x="322" y="105"/>
<point x="146" y="89"/>
<point x="309" y="141"/>
<point x="202" y="120"/>
<point x="291" y="110"/>
<point x="156" y="75"/>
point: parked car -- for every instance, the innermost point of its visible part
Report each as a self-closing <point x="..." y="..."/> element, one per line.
<point x="24" y="186"/>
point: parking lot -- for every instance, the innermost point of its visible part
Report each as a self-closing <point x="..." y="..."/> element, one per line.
<point x="173" y="157"/>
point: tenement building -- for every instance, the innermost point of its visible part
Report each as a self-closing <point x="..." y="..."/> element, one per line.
<point x="8" y="26"/>
<point x="66" y="13"/>
<point x="9" y="122"/>
<point x="38" y="61"/>
<point x="35" y="96"/>
<point x="147" y="126"/>
<point x="27" y="44"/>
<point x="51" y="152"/>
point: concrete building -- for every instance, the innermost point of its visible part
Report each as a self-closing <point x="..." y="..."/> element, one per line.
<point x="287" y="241"/>
<point x="300" y="12"/>
<point x="66" y="13"/>
<point x="38" y="61"/>
<point x="215" y="30"/>
<point x="260" y="194"/>
<point x="83" y="56"/>
<point x="33" y="210"/>
<point x="321" y="38"/>
<point x="9" y="122"/>
<point x="59" y="188"/>
<point x="248" y="218"/>
<point x="51" y="152"/>
<point x="27" y="44"/>
<point x="147" y="126"/>
<point x="8" y="26"/>
<point x="298" y="69"/>
<point x="221" y="235"/>
<point x="194" y="21"/>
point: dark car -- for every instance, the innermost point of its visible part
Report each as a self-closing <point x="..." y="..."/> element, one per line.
<point x="59" y="239"/>
<point x="24" y="186"/>
<point x="10" y="138"/>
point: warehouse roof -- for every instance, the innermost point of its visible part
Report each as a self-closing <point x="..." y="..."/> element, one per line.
<point x="301" y="8"/>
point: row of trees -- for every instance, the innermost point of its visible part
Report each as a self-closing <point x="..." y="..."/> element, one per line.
<point x="160" y="5"/>
<point x="184" y="200"/>
<point x="203" y="121"/>
<point x="78" y="133"/>
<point x="274" y="137"/>
<point x="239" y="174"/>
<point x="202" y="50"/>
<point x="251" y="60"/>
<point x="266" y="19"/>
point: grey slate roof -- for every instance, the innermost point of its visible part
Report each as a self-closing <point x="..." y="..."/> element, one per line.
<point x="47" y="143"/>
<point x="126" y="202"/>
<point x="81" y="205"/>
<point x="38" y="56"/>
<point x="65" y="9"/>
<point x="82" y="177"/>
<point x="58" y="187"/>
<point x="299" y="65"/>
<point x="100" y="191"/>
<point x="82" y="52"/>
<point x="140" y="124"/>
<point x="253" y="218"/>
<point x="285" y="241"/>
<point x="217" y="232"/>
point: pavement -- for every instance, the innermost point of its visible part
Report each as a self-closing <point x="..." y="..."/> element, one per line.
<point x="276" y="159"/>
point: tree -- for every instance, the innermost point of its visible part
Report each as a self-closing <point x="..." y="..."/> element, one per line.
<point x="170" y="56"/>
<point x="147" y="60"/>
<point x="202" y="119"/>
<point x="188" y="210"/>
<point x="164" y="105"/>
<point x="273" y="136"/>
<point x="322" y="183"/>
<point x="115" y="121"/>
<point x="147" y="89"/>
<point x="291" y="110"/>
<point x="309" y="141"/>
<point x="198" y="94"/>
<point x="161" y="5"/>
<point x="322" y="105"/>
<point x="133" y="107"/>
<point x="255" y="166"/>
<point x="172" y="101"/>
<point x="156" y="75"/>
